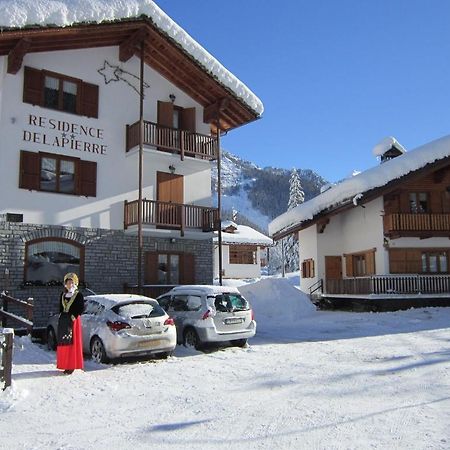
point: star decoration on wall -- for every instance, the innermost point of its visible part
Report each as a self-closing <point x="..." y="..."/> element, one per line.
<point x="115" y="73"/>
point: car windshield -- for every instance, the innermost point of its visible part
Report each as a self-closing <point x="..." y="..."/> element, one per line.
<point x="231" y="302"/>
<point x="138" y="310"/>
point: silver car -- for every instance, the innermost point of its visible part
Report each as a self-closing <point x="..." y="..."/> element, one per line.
<point x="208" y="314"/>
<point x="118" y="325"/>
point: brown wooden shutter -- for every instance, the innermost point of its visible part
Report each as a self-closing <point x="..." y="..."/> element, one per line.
<point x="30" y="167"/>
<point x="188" y="119"/>
<point x="165" y="114"/>
<point x="312" y="271"/>
<point x="151" y="268"/>
<point x="397" y="261"/>
<point x="33" y="86"/>
<point x="413" y="261"/>
<point x="349" y="265"/>
<point x="87" y="184"/>
<point x="187" y="272"/>
<point x="370" y="263"/>
<point x="89" y="100"/>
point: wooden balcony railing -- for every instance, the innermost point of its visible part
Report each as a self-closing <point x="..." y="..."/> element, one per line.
<point x="171" y="215"/>
<point x="416" y="223"/>
<point x="390" y="284"/>
<point x="185" y="143"/>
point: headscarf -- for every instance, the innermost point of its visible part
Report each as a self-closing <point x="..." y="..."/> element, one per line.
<point x="71" y="276"/>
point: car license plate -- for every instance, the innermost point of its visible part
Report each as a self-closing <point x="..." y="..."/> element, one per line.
<point x="147" y="344"/>
<point x="233" y="321"/>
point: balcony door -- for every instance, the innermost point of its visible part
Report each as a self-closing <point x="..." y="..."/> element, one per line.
<point x="169" y="192"/>
<point x="172" y="121"/>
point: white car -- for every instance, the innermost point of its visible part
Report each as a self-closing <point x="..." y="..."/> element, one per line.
<point x="118" y="325"/>
<point x="207" y="314"/>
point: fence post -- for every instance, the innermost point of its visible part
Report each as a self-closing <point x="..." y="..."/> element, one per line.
<point x="6" y="343"/>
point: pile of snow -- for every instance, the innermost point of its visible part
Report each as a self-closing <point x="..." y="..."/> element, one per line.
<point x="378" y="176"/>
<point x="276" y="303"/>
<point x="62" y="13"/>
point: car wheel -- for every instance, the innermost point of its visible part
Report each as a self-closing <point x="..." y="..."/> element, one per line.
<point x="239" y="342"/>
<point x="98" y="352"/>
<point x="190" y="339"/>
<point x="51" y="339"/>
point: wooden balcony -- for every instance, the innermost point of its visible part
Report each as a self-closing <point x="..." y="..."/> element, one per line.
<point x="172" y="216"/>
<point x="420" y="225"/>
<point x="184" y="143"/>
<point x="390" y="284"/>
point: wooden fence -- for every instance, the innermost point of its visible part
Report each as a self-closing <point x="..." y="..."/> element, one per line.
<point x="6" y="315"/>
<point x="172" y="139"/>
<point x="390" y="284"/>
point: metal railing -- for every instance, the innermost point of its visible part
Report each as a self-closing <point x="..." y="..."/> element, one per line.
<point x="186" y="143"/>
<point x="390" y="284"/>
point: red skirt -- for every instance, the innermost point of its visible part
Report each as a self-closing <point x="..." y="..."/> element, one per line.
<point x="70" y="357"/>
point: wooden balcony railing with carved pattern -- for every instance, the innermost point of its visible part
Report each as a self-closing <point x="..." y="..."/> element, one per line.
<point x="420" y="224"/>
<point x="184" y="143"/>
<point x="390" y="284"/>
<point x="172" y="215"/>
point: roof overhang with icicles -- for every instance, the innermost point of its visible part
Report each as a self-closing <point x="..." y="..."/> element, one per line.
<point x="167" y="48"/>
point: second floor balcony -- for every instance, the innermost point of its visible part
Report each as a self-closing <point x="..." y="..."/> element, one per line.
<point x="175" y="216"/>
<point x="416" y="225"/>
<point x="173" y="140"/>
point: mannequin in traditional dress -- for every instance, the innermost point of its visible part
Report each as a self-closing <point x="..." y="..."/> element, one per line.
<point x="69" y="351"/>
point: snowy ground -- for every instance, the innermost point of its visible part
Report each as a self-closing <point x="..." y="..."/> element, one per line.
<point x="309" y="380"/>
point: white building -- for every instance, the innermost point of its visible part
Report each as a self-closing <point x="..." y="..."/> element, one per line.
<point x="383" y="232"/>
<point x="70" y="83"/>
<point x="242" y="251"/>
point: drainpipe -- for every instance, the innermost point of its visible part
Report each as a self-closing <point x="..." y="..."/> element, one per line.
<point x="219" y="194"/>
<point x="141" y="153"/>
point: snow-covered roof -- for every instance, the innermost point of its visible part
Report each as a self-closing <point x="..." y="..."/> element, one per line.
<point x="244" y="235"/>
<point x="386" y="144"/>
<point x="63" y="13"/>
<point x="227" y="224"/>
<point x="352" y="189"/>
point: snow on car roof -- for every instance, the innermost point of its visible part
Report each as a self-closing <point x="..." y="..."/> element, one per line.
<point x="210" y="288"/>
<point x="111" y="300"/>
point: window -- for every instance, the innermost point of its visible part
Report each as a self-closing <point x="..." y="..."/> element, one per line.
<point x="418" y="202"/>
<point x="194" y="303"/>
<point x="242" y="254"/>
<point x="179" y="303"/>
<point x="434" y="262"/>
<point x="48" y="260"/>
<point x="168" y="269"/>
<point x="230" y="302"/>
<point x="55" y="173"/>
<point x="360" y="264"/>
<point x="308" y="268"/>
<point x="61" y="92"/>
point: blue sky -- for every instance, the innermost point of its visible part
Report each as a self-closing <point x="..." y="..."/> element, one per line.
<point x="335" y="77"/>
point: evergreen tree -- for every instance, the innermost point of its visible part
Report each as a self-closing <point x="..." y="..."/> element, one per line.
<point x="296" y="197"/>
<point x="296" y="194"/>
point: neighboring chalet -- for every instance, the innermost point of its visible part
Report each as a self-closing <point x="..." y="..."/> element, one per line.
<point x="381" y="239"/>
<point x="81" y="176"/>
<point x="242" y="251"/>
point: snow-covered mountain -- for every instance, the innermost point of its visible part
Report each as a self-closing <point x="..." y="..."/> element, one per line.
<point x="258" y="194"/>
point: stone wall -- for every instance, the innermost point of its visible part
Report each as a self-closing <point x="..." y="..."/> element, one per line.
<point x="110" y="260"/>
